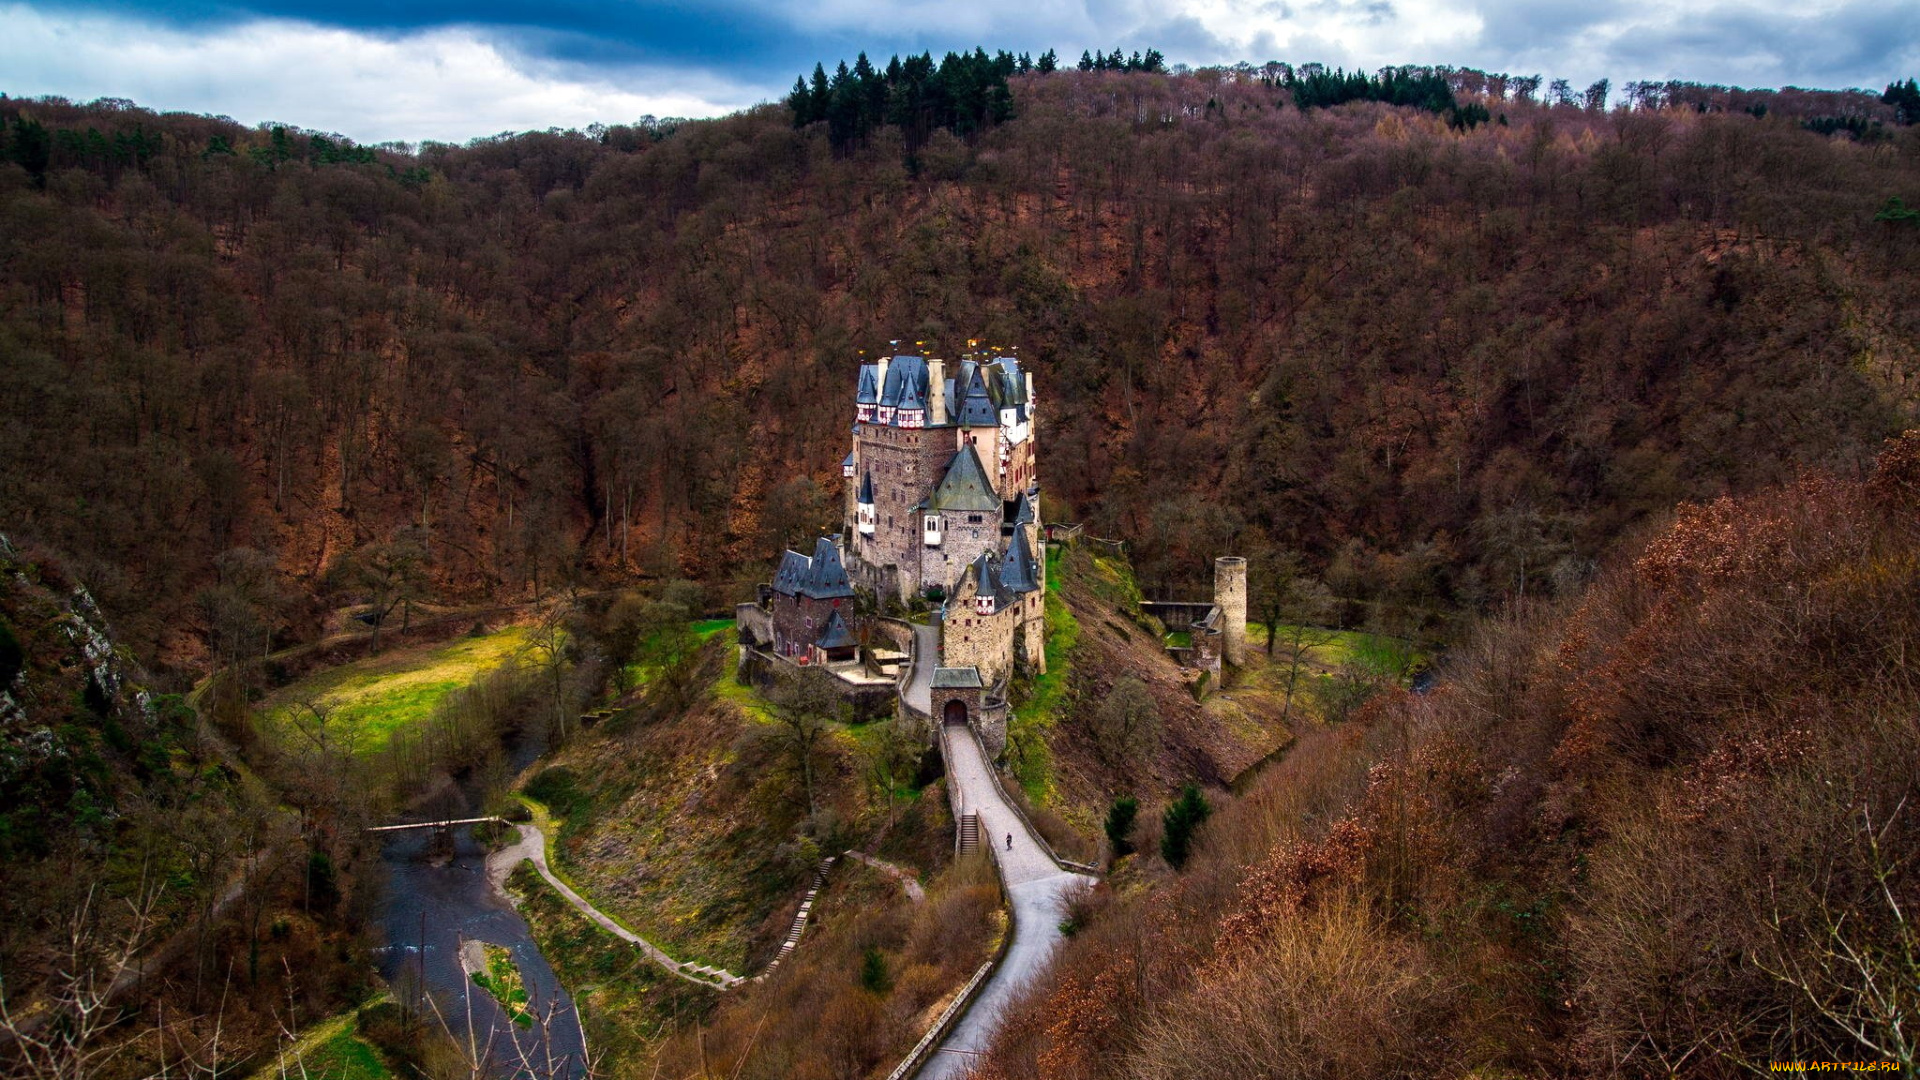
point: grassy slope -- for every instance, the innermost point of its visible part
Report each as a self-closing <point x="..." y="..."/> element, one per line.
<point x="1093" y="642"/>
<point x="685" y="826"/>
<point x="627" y="1003"/>
<point x="332" y="1050"/>
<point x="382" y="694"/>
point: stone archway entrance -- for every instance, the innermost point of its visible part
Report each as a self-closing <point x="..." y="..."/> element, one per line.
<point x="955" y="713"/>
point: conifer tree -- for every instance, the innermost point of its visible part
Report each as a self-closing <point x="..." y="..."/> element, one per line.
<point x="1183" y="818"/>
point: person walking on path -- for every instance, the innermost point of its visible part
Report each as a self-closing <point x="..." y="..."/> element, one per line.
<point x="1009" y="841"/>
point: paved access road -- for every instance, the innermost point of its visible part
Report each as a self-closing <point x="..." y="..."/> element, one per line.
<point x="926" y="657"/>
<point x="1038" y="887"/>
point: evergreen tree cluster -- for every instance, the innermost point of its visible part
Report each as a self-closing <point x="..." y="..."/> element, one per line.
<point x="965" y="93"/>
<point x="1152" y="60"/>
<point x="1861" y="128"/>
<point x="1905" y="99"/>
<point x="1314" y="87"/>
<point x="36" y="148"/>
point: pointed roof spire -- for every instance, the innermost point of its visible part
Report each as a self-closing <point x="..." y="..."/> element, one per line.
<point x="866" y="488"/>
<point x="1018" y="572"/>
<point x="966" y="487"/>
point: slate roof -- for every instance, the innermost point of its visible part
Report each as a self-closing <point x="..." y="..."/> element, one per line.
<point x="822" y="577"/>
<point x="866" y="488"/>
<point x="974" y="406"/>
<point x="869" y="393"/>
<point x="1017" y="573"/>
<point x="848" y="463"/>
<point x="836" y="635"/>
<point x="1019" y="511"/>
<point x="966" y="488"/>
<point x="957" y="678"/>
<point x="990" y="579"/>
<point x="906" y="386"/>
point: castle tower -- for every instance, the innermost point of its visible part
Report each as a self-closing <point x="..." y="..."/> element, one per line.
<point x="1230" y="595"/>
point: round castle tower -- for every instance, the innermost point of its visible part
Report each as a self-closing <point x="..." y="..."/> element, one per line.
<point x="1230" y="595"/>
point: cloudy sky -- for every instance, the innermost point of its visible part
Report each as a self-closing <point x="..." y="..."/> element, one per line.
<point x="377" y="70"/>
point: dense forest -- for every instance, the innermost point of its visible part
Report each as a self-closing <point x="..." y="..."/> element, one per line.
<point x="1447" y="365"/>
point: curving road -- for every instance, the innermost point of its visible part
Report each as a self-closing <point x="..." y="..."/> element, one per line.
<point x="1036" y="884"/>
<point x="926" y="652"/>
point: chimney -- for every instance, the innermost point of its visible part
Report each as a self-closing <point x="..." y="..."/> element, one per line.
<point x="936" y="393"/>
<point x="881" y="389"/>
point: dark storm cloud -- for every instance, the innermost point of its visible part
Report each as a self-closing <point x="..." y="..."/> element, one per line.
<point x="745" y="41"/>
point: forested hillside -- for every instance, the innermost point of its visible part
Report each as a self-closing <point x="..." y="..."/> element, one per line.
<point x="1447" y="362"/>
<point x="1664" y="830"/>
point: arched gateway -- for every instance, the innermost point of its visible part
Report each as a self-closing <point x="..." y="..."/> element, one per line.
<point x="956" y="713"/>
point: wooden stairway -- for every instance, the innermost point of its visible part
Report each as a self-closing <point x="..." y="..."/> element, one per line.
<point x="969" y="833"/>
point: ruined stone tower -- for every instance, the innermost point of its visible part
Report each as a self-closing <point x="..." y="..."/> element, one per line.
<point x="1230" y="595"/>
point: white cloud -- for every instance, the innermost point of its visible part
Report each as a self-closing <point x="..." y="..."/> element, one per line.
<point x="450" y="84"/>
<point x="457" y="82"/>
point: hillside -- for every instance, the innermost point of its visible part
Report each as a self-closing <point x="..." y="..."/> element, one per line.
<point x="1450" y="365"/>
<point x="160" y="893"/>
<point x="1663" y="829"/>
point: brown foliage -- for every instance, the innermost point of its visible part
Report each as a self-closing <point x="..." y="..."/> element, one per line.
<point x="1457" y="365"/>
<point x="1665" y="831"/>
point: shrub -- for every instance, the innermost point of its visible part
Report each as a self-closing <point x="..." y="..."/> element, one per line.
<point x="873" y="972"/>
<point x="1183" y="818"/>
<point x="559" y="788"/>
<point x="1120" y="823"/>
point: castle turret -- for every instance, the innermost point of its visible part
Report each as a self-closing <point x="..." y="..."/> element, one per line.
<point x="864" y="511"/>
<point x="1230" y="596"/>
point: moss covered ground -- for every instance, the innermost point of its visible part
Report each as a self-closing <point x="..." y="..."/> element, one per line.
<point x="332" y="1050"/>
<point x="377" y="696"/>
<point x="502" y="980"/>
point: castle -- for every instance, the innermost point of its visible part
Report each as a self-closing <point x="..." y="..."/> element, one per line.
<point x="942" y="505"/>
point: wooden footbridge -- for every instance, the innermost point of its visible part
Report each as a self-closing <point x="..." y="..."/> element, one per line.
<point x="439" y="824"/>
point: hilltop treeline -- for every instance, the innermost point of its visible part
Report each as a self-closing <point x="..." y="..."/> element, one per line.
<point x="1446" y="366"/>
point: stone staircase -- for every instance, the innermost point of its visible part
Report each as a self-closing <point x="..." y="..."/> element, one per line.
<point x="969" y="833"/>
<point x="800" y="919"/>
<point x="703" y="973"/>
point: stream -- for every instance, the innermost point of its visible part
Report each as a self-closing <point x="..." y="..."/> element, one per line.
<point x="431" y="906"/>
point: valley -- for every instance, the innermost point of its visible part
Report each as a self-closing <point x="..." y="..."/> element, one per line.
<point x="1326" y="576"/>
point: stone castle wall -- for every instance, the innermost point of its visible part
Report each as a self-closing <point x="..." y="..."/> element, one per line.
<point x="979" y="641"/>
<point x="897" y="459"/>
